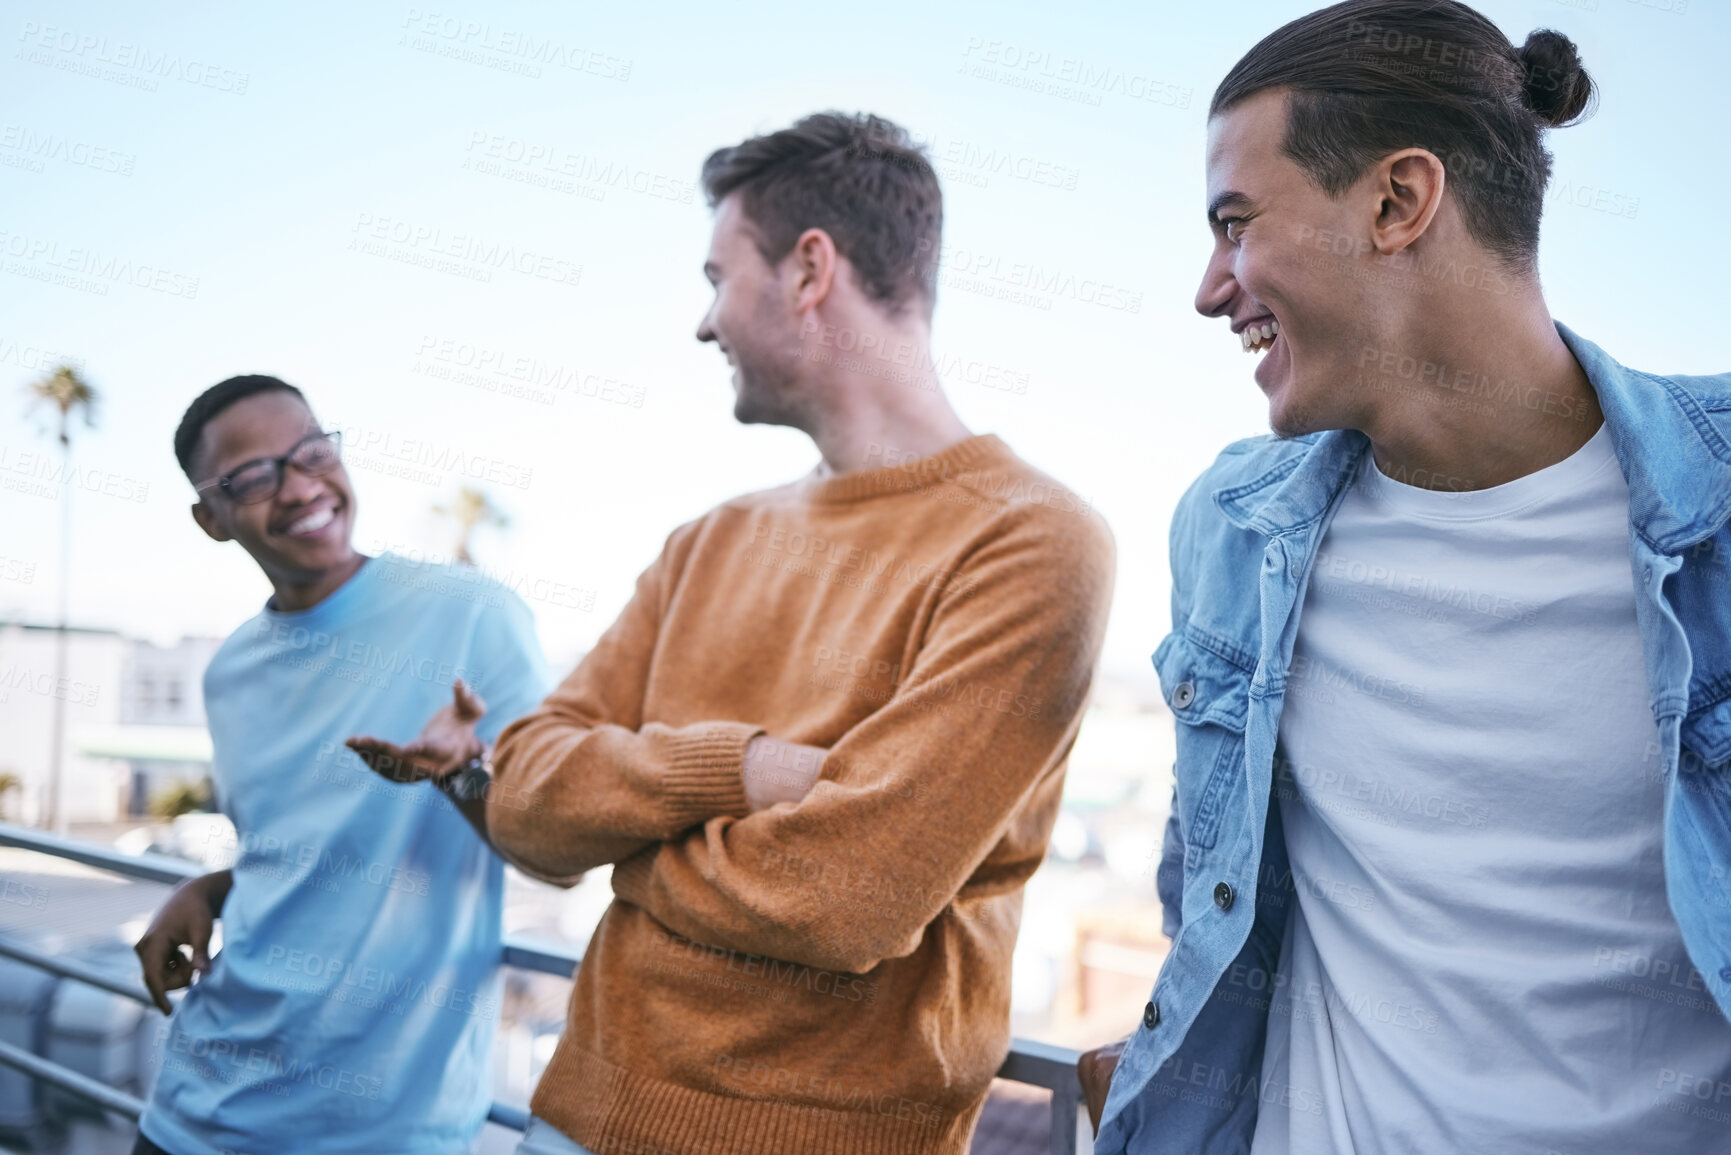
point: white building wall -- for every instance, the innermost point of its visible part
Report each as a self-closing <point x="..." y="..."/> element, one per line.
<point x="92" y="789"/>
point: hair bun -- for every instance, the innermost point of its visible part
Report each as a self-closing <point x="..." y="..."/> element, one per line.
<point x="1557" y="88"/>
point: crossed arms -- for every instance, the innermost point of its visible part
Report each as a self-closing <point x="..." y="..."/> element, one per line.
<point x="918" y="799"/>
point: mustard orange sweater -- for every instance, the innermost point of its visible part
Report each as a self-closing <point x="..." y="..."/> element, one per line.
<point x="834" y="975"/>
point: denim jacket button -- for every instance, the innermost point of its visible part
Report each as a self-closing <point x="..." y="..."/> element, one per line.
<point x="1183" y="695"/>
<point x="1150" y="1016"/>
<point x="1223" y="896"/>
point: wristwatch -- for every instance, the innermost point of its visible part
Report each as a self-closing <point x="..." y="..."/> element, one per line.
<point x="470" y="780"/>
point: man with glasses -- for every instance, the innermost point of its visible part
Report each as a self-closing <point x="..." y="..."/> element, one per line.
<point x="352" y="1006"/>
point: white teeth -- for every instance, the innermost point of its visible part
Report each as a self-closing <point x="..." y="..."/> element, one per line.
<point x="1254" y="337"/>
<point x="313" y="521"/>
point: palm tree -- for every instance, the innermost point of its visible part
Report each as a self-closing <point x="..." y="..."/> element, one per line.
<point x="470" y="511"/>
<point x="68" y="393"/>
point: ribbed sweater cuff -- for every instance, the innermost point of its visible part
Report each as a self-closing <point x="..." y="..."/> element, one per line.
<point x="705" y="772"/>
<point x="630" y="878"/>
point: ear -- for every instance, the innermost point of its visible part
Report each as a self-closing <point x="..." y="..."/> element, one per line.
<point x="815" y="260"/>
<point x="207" y="521"/>
<point x="1409" y="188"/>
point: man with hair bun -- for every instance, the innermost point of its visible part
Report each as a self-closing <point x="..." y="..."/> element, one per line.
<point x="1449" y="862"/>
<point x="823" y="746"/>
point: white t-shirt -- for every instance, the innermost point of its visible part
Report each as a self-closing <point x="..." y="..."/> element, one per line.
<point x="1480" y="956"/>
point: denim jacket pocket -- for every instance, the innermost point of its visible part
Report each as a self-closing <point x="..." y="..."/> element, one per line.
<point x="1209" y="696"/>
<point x="1707" y="739"/>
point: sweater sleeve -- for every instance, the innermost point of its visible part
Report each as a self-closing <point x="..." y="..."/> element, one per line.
<point x="913" y="799"/>
<point x="581" y="781"/>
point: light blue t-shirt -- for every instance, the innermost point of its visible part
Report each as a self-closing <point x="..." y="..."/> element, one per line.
<point x="353" y="1004"/>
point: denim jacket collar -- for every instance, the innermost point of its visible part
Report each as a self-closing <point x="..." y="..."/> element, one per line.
<point x="1673" y="452"/>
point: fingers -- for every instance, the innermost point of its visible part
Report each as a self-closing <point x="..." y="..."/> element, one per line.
<point x="371" y="749"/>
<point x="468" y="705"/>
<point x="392" y="761"/>
<point x="199" y="940"/>
<point x="151" y="958"/>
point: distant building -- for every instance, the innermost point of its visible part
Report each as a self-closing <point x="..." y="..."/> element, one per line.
<point x="134" y="719"/>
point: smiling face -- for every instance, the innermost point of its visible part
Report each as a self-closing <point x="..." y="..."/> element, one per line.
<point x="753" y="321"/>
<point x="1291" y="262"/>
<point x="301" y="534"/>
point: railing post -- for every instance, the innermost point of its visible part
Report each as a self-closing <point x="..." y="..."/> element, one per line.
<point x="1065" y="1102"/>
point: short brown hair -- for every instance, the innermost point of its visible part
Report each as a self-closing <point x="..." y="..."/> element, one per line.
<point x="859" y="178"/>
<point x="1371" y="77"/>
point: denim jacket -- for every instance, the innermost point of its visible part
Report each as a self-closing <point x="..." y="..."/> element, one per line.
<point x="1243" y="539"/>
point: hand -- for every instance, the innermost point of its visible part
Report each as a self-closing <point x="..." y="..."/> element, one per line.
<point x="777" y="771"/>
<point x="445" y="743"/>
<point x="185" y="920"/>
<point x="1095" y="1069"/>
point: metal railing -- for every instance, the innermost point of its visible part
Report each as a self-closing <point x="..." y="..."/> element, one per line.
<point x="1029" y="1061"/>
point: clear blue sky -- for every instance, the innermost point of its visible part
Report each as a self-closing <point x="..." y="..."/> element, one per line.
<point x="247" y="147"/>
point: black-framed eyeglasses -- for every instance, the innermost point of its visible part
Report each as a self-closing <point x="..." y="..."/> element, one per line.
<point x="315" y="455"/>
